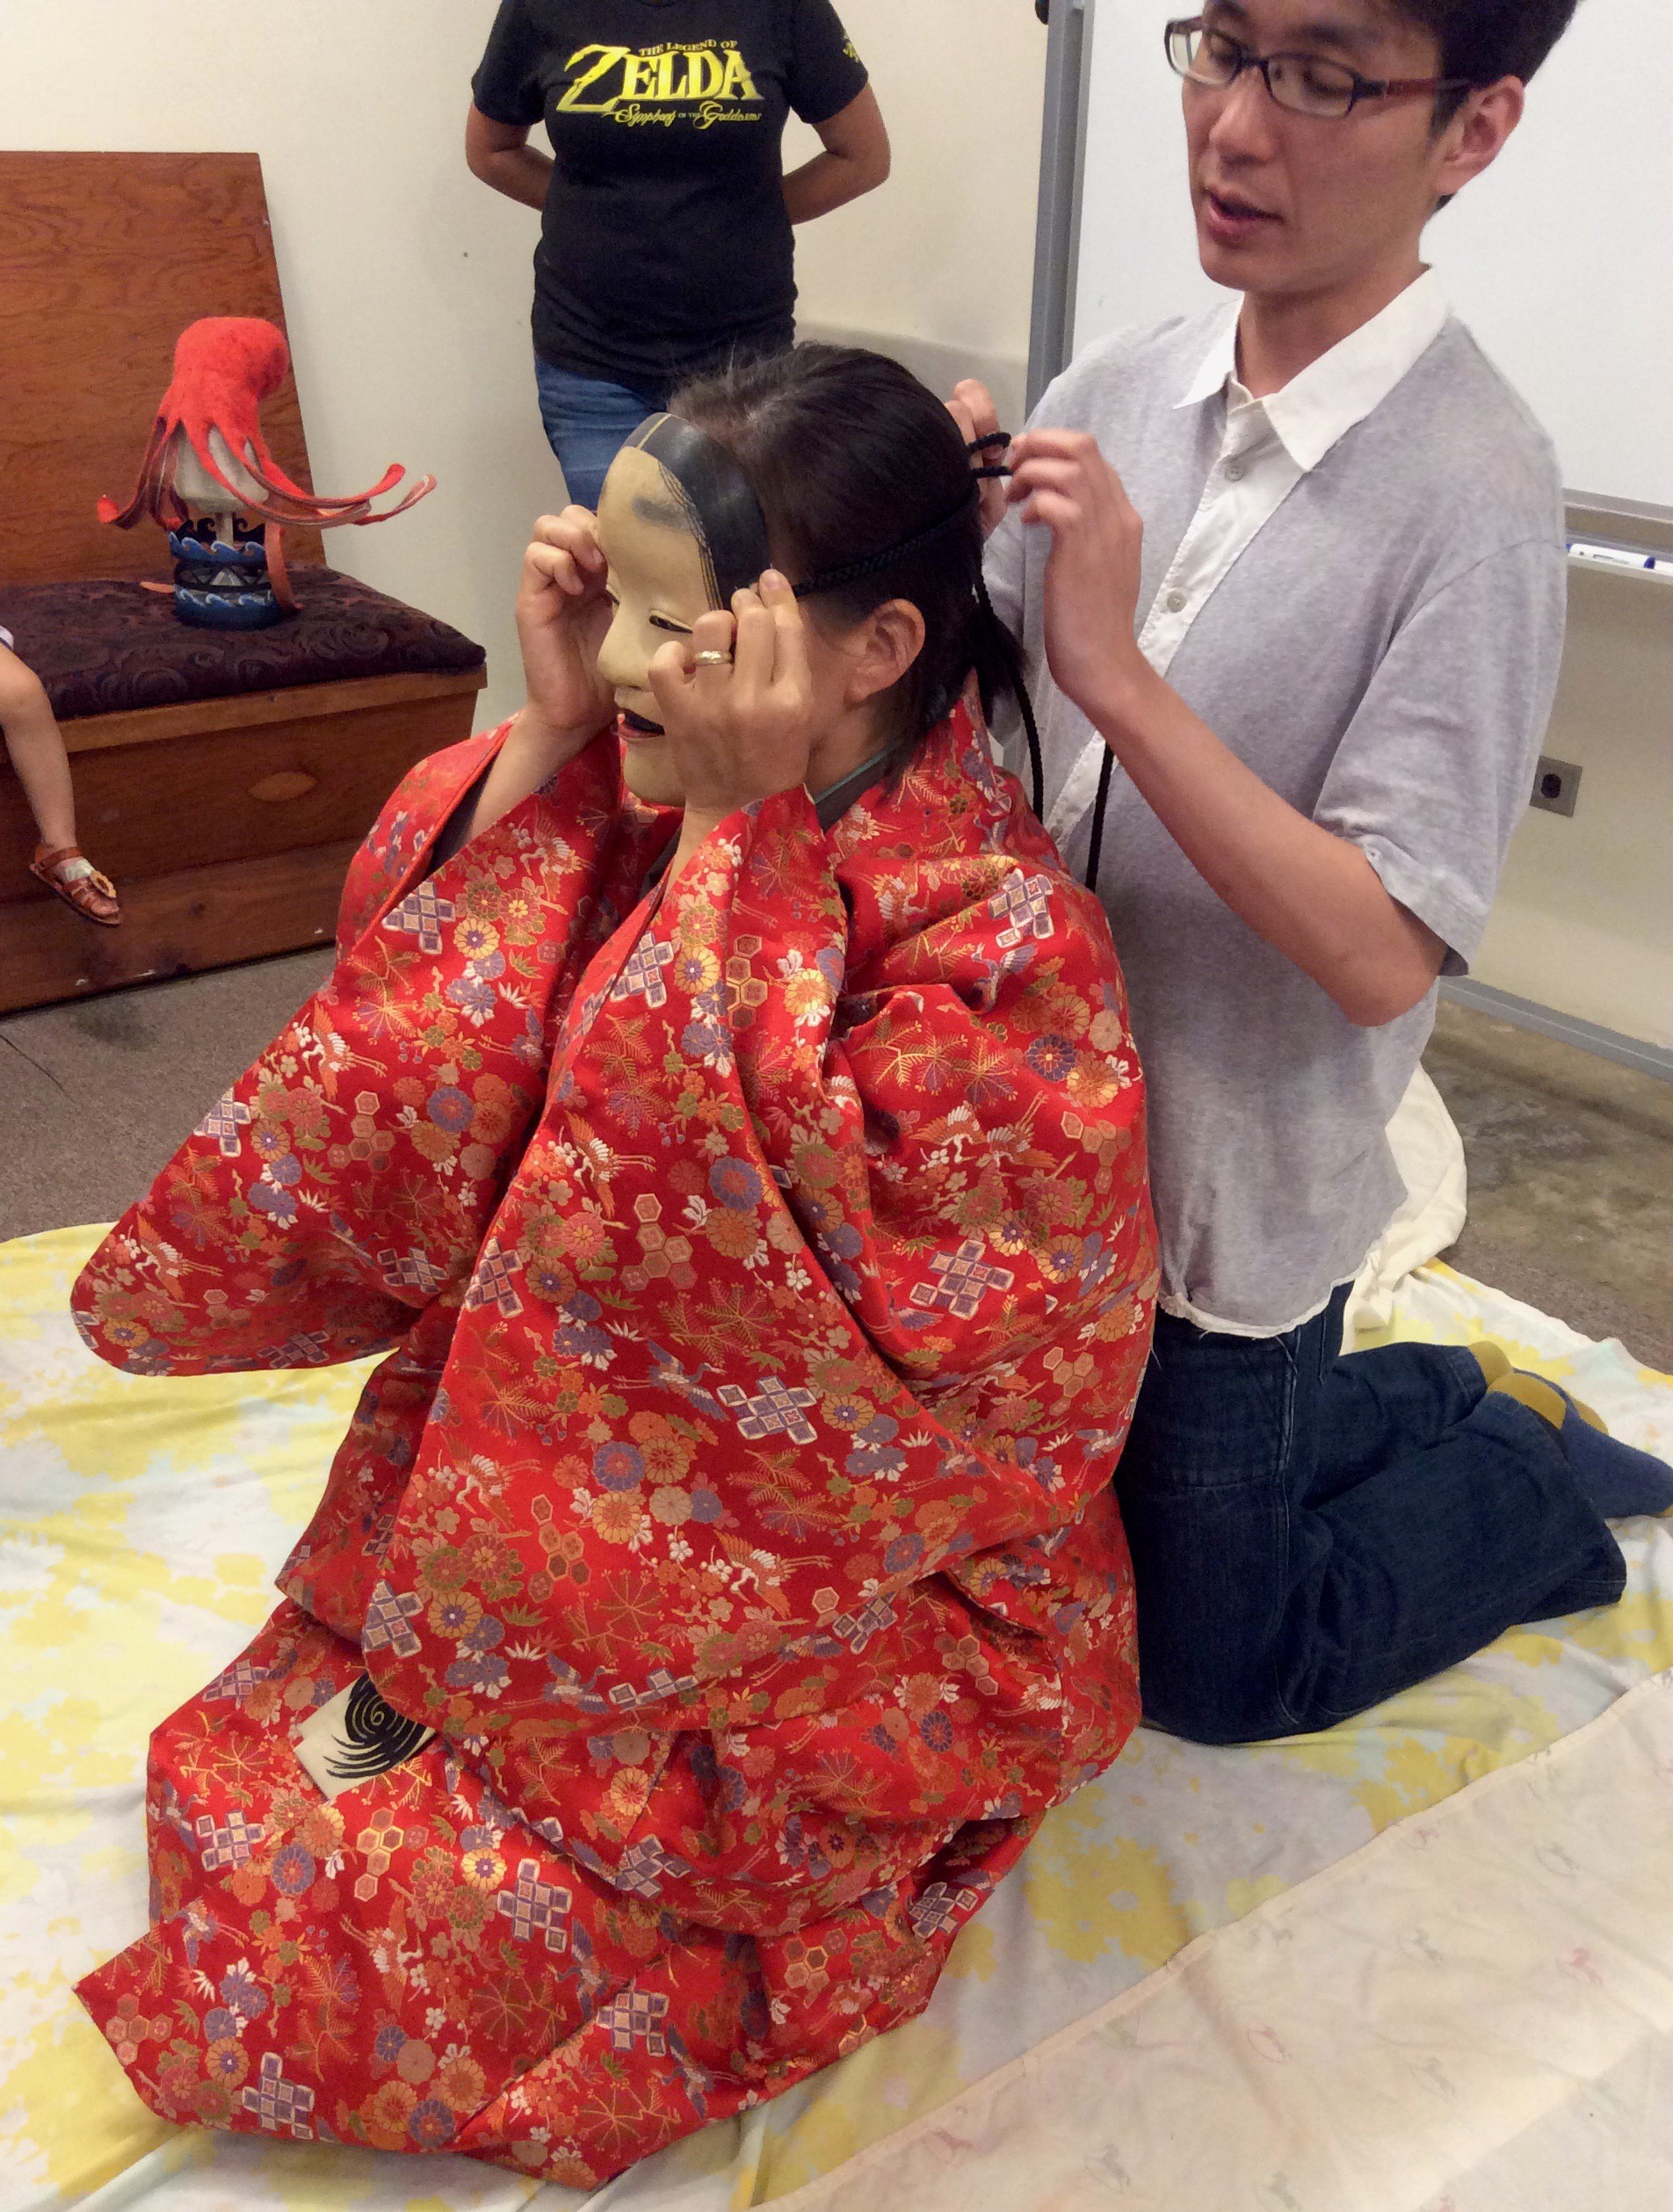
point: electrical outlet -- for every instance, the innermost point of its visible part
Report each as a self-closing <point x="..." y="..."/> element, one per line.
<point x="1556" y="786"/>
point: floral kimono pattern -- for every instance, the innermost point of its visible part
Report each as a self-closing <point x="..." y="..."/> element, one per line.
<point x="765" y="1270"/>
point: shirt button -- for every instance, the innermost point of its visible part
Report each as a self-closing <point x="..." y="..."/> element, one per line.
<point x="1235" y="471"/>
<point x="1177" y="602"/>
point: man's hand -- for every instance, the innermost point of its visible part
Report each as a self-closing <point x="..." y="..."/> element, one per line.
<point x="562" y="614"/>
<point x="1062" y="483"/>
<point x="742" y="728"/>
<point x="972" y="409"/>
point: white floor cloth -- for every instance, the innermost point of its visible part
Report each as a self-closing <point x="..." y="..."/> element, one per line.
<point x="141" y="1524"/>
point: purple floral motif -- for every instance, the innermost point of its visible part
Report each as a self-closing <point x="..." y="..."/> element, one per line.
<point x="431" y="2124"/>
<point x="478" y="1667"/>
<point x="274" y="1199"/>
<point x="450" y="1109"/>
<point x="617" y="1467"/>
<point x="576" y="1337"/>
<point x="1051" y="1057"/>
<point x="735" y="1185"/>
<point x="293" y="1869"/>
<point x="474" y="999"/>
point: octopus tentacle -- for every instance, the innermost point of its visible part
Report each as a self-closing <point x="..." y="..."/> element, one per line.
<point x="224" y="366"/>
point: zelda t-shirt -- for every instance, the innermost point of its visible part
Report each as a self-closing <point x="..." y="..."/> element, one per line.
<point x="665" y="241"/>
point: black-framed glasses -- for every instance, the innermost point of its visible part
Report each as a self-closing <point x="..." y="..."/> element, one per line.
<point x="1305" y="84"/>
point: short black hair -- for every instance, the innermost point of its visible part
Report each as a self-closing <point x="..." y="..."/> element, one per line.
<point x="1483" y="40"/>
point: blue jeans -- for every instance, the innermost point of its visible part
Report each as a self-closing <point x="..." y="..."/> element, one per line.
<point x="1311" y="1535"/>
<point x="588" y="422"/>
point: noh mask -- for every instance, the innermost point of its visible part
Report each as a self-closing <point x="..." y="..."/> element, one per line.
<point x="682" y="531"/>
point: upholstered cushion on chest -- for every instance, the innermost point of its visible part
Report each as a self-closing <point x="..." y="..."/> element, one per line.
<point x="108" y="647"/>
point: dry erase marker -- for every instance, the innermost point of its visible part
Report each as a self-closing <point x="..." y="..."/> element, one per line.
<point x="1619" y="557"/>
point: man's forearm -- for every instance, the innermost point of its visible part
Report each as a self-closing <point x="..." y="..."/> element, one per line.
<point x="518" y="172"/>
<point x="1311" y="894"/>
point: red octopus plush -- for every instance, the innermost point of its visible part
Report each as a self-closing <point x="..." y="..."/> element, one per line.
<point x="209" y="478"/>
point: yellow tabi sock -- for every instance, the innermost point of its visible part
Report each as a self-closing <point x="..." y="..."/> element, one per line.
<point x="1493" y="1359"/>
<point x="1543" y="1398"/>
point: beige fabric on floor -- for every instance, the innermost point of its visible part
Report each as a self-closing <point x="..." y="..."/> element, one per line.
<point x="1395" y="2026"/>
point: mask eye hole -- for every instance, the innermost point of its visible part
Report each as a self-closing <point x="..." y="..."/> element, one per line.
<point x="666" y="622"/>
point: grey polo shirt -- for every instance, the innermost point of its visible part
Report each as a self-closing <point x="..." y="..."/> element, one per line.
<point x="1359" y="584"/>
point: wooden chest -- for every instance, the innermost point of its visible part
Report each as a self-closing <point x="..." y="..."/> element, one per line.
<point x="228" y="821"/>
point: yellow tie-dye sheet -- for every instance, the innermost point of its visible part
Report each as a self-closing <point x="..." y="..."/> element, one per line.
<point x="141" y="1524"/>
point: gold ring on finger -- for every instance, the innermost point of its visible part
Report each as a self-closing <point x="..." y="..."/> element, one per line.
<point x="715" y="660"/>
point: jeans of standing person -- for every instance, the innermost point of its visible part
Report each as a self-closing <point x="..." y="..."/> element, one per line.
<point x="1312" y="1534"/>
<point x="588" y="422"/>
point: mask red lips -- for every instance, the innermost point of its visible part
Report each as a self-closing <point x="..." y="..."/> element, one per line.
<point x="630" y="727"/>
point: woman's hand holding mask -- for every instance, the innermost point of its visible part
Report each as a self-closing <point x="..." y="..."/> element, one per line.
<point x="562" y="613"/>
<point x="562" y="616"/>
<point x="741" y="727"/>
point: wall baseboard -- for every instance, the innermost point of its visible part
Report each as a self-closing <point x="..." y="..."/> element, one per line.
<point x="1568" y="1029"/>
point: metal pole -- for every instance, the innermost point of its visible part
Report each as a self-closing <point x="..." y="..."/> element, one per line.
<point x="1057" y="231"/>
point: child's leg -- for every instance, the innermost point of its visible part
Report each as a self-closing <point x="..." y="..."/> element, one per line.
<point x="36" y="745"/>
<point x="36" y="749"/>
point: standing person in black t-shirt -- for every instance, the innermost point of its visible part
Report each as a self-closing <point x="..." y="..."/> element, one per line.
<point x="666" y="241"/>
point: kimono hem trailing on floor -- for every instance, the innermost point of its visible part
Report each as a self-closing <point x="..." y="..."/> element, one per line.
<point x="766" y="1272"/>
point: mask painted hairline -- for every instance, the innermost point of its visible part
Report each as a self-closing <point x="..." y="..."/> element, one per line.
<point x="720" y="510"/>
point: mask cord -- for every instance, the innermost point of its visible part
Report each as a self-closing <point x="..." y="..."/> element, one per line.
<point x="1106" y="777"/>
<point x="1005" y="649"/>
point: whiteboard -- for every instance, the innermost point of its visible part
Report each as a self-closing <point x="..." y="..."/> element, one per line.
<point x="1559" y="258"/>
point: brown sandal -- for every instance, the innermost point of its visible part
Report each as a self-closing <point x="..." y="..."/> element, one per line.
<point x="92" y="895"/>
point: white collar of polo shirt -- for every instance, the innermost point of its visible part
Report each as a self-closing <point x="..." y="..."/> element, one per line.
<point x="1312" y="412"/>
<point x="1319" y="407"/>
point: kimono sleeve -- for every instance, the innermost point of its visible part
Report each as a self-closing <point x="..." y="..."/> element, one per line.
<point x="344" y="1183"/>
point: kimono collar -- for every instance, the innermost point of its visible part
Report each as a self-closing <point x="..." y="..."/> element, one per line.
<point x="830" y="807"/>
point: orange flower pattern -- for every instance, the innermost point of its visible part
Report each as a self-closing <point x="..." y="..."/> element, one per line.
<point x="765" y="1270"/>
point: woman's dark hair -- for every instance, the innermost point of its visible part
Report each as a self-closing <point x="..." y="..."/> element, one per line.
<point x="865" y="480"/>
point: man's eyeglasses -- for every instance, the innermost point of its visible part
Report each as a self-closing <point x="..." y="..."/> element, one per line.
<point x="1305" y="84"/>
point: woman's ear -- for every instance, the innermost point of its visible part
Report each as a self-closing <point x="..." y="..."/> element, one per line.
<point x="888" y="641"/>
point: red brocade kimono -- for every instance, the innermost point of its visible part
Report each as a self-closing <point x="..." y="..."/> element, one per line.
<point x="765" y="1270"/>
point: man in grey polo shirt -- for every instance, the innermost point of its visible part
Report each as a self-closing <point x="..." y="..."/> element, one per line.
<point x="1290" y="578"/>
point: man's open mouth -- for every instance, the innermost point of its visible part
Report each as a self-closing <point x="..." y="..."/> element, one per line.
<point x="1231" y="208"/>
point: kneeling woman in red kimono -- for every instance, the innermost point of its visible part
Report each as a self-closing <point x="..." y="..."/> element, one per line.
<point x="722" y="1116"/>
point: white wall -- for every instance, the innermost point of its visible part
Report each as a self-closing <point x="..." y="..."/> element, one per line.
<point x="938" y="265"/>
<point x="407" y="284"/>
<point x="1585" y="918"/>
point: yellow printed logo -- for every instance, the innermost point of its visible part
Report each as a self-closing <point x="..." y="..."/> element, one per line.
<point x="704" y="84"/>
